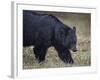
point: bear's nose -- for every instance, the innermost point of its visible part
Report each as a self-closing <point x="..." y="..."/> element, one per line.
<point x="74" y="49"/>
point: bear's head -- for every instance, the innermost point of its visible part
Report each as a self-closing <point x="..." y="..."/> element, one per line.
<point x="72" y="39"/>
<point x="66" y="38"/>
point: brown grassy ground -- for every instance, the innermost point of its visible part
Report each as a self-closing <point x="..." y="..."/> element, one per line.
<point x="81" y="58"/>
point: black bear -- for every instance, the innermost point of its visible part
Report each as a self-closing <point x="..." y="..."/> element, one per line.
<point x="43" y="31"/>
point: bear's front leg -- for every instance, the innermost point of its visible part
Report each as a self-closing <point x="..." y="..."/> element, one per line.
<point x="40" y="53"/>
<point x="65" y="55"/>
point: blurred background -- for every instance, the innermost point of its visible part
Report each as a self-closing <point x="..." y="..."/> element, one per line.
<point x="82" y="22"/>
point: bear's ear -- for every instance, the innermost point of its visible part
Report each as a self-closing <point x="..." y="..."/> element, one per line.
<point x="74" y="28"/>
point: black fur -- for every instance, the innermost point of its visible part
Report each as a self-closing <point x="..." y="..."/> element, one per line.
<point x="43" y="31"/>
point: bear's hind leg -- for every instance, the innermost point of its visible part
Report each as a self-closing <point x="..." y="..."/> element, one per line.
<point x="40" y="53"/>
<point x="36" y="52"/>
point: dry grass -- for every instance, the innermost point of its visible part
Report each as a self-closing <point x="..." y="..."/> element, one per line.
<point x="81" y="58"/>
